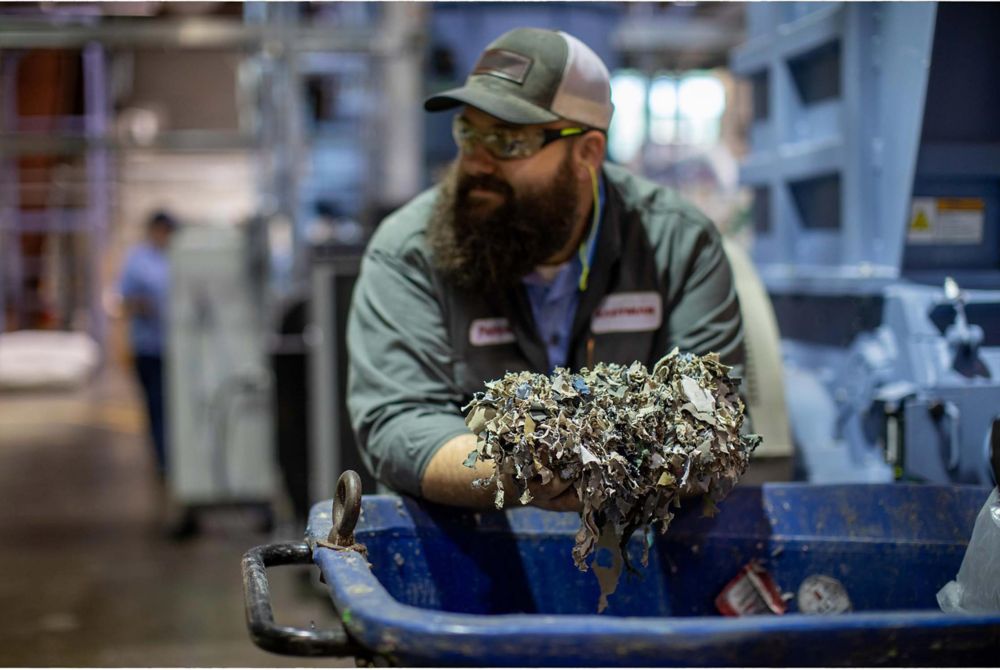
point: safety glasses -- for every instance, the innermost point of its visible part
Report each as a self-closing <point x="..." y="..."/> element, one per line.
<point x="506" y="143"/>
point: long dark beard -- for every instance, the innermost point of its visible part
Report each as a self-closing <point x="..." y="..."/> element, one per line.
<point x="488" y="249"/>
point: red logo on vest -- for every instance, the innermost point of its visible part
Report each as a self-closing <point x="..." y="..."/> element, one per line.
<point x="487" y="332"/>
<point x="628" y="313"/>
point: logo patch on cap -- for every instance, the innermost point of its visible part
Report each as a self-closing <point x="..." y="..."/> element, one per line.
<point x="504" y="64"/>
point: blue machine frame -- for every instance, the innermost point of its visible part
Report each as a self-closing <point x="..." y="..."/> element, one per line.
<point x="875" y="182"/>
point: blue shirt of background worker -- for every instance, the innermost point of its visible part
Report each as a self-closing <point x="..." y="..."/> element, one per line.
<point x="145" y="290"/>
<point x="145" y="286"/>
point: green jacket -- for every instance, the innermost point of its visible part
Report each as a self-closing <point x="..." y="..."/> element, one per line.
<point x="419" y="347"/>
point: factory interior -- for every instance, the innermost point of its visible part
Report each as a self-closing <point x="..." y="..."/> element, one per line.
<point x="846" y="152"/>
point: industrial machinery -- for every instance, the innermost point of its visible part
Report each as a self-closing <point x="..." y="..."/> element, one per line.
<point x="219" y="427"/>
<point x="877" y="231"/>
<point x="332" y="445"/>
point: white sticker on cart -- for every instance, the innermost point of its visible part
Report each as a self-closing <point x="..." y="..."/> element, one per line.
<point x="946" y="221"/>
<point x="628" y="313"/>
<point x="488" y="332"/>
<point x="822" y="594"/>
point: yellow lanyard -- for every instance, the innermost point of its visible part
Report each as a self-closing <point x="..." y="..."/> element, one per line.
<point x="586" y="245"/>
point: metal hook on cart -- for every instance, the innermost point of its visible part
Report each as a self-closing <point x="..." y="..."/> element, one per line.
<point x="346" y="510"/>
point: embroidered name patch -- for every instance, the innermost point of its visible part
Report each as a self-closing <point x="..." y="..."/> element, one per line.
<point x="487" y="332"/>
<point x="628" y="313"/>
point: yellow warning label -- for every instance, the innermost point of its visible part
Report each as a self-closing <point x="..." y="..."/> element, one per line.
<point x="953" y="220"/>
<point x="961" y="204"/>
<point x="923" y="221"/>
<point x="920" y="222"/>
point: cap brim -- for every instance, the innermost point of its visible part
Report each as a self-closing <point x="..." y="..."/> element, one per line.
<point x="504" y="106"/>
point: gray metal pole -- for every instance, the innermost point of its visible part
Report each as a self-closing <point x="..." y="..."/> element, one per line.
<point x="10" y="243"/>
<point x="401" y="140"/>
<point x="96" y="112"/>
<point x="6" y="184"/>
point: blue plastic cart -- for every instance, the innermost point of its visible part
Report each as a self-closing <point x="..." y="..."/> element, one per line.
<point x="441" y="586"/>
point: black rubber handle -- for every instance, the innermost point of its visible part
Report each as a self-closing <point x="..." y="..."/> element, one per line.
<point x="260" y="620"/>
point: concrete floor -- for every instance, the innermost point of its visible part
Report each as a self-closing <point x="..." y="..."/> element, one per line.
<point x="87" y="577"/>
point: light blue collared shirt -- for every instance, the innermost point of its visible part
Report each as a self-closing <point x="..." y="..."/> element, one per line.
<point x="554" y="302"/>
<point x="147" y="276"/>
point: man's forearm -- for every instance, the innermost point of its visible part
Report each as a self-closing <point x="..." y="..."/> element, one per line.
<point x="446" y="480"/>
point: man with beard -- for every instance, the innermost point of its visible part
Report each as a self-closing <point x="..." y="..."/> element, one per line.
<point x="531" y="253"/>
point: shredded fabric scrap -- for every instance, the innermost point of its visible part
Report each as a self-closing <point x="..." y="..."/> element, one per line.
<point x="631" y="441"/>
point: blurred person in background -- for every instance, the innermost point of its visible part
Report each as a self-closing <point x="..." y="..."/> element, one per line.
<point x="144" y="286"/>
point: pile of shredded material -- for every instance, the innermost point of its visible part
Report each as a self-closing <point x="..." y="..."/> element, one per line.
<point x="631" y="441"/>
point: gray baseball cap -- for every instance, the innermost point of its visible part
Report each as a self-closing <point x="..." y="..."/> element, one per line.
<point x="530" y="75"/>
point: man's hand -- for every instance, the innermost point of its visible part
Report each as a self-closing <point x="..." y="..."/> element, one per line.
<point x="556" y="496"/>
<point x="446" y="480"/>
